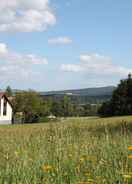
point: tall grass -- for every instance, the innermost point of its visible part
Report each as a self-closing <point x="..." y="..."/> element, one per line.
<point x="73" y="151"/>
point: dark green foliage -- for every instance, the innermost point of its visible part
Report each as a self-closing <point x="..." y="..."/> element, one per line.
<point x="105" y="109"/>
<point x="9" y="91"/>
<point x="65" y="108"/>
<point x="30" y="105"/>
<point x="121" y="101"/>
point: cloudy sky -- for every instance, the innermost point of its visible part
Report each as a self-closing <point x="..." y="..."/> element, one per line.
<point x="63" y="44"/>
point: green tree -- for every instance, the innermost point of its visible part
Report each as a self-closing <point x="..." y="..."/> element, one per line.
<point x="57" y="109"/>
<point x="105" y="109"/>
<point x="63" y="107"/>
<point x="121" y="101"/>
<point x="66" y="106"/>
<point x="30" y="104"/>
<point x="8" y="91"/>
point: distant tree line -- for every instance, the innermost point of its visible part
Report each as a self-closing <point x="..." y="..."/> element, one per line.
<point x="30" y="107"/>
<point x="65" y="108"/>
<point x="80" y="99"/>
<point x="121" y="101"/>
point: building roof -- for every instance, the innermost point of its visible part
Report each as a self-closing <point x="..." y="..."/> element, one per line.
<point x="2" y="94"/>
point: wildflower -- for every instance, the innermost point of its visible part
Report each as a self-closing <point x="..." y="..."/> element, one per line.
<point x="82" y="159"/>
<point x="129" y="156"/>
<point x="16" y="153"/>
<point x="87" y="174"/>
<point x="6" y="156"/>
<point x="47" y="168"/>
<point x="90" y="180"/>
<point x="127" y="176"/>
<point x="130" y="148"/>
<point x="70" y="155"/>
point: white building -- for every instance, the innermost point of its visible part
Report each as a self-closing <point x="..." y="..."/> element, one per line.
<point x="5" y="110"/>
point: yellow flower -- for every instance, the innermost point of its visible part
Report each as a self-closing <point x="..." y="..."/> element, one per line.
<point x="90" y="180"/>
<point x="87" y="174"/>
<point x="130" y="148"/>
<point x="47" y="168"/>
<point x="127" y="176"/>
<point x="129" y="156"/>
<point x="82" y="159"/>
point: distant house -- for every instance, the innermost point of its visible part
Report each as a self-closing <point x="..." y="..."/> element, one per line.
<point x="6" y="110"/>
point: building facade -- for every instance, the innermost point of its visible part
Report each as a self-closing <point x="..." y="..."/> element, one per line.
<point x="6" y="110"/>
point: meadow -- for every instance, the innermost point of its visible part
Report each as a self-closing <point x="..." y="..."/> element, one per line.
<point x="70" y="151"/>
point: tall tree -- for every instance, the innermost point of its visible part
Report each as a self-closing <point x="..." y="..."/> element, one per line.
<point x="9" y="91"/>
<point x="30" y="104"/>
<point x="121" y="101"/>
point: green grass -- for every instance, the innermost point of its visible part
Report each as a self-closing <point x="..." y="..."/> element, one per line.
<point x="71" y="151"/>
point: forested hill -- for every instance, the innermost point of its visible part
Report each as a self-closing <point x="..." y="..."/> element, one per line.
<point x="88" y="95"/>
<point x="84" y="92"/>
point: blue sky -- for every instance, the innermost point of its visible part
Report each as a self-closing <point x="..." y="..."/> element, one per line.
<point x="64" y="44"/>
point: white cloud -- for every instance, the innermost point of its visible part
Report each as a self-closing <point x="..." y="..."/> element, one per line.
<point x="16" y="66"/>
<point x="71" y="68"/>
<point x="14" y="58"/>
<point x="25" y="15"/>
<point x="96" y="64"/>
<point x="60" y="40"/>
<point x="3" y="49"/>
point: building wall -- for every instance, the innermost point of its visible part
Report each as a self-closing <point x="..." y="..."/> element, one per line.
<point x="6" y="119"/>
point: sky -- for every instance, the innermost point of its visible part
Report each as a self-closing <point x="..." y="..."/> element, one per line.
<point x="64" y="44"/>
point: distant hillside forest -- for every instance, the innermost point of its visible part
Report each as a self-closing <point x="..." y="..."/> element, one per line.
<point x="31" y="106"/>
<point x="82" y="96"/>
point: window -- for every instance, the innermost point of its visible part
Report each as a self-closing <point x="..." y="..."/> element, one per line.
<point x="5" y="107"/>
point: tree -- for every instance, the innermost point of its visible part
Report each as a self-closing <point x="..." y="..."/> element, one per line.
<point x="57" y="109"/>
<point x="105" y="110"/>
<point x="62" y="107"/>
<point x="9" y="91"/>
<point x="30" y="105"/>
<point x="66" y="106"/>
<point x="121" y="101"/>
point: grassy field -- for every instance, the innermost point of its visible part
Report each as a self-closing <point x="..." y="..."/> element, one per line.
<point x="70" y="151"/>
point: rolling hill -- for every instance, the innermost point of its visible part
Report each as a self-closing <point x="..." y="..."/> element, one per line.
<point x="87" y="95"/>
